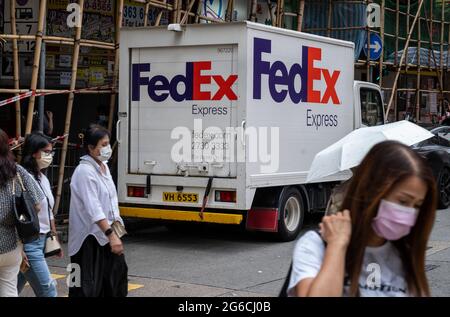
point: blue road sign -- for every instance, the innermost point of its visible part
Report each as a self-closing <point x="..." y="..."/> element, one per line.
<point x="375" y="46"/>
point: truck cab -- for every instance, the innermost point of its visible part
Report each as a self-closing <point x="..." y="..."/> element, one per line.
<point x="369" y="109"/>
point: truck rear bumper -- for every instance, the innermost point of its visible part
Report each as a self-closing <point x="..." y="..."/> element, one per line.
<point x="180" y="215"/>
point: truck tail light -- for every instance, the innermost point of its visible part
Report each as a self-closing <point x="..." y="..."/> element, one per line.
<point x="136" y="191"/>
<point x="227" y="196"/>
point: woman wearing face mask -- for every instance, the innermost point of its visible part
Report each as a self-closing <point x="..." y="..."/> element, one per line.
<point x="37" y="156"/>
<point x="376" y="246"/>
<point x="94" y="211"/>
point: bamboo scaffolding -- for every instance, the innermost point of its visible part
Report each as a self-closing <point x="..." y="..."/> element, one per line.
<point x="37" y="56"/>
<point x="16" y="67"/>
<point x="183" y="12"/>
<point x="394" y="86"/>
<point x="439" y="70"/>
<point x="186" y="14"/>
<point x="112" y="102"/>
<point x="73" y="81"/>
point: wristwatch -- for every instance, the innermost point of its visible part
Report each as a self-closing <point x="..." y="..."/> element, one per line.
<point x="108" y="232"/>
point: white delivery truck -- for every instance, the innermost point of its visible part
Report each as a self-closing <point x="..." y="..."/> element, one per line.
<point x="220" y="122"/>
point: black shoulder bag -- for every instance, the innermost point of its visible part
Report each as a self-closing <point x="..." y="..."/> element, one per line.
<point x="27" y="221"/>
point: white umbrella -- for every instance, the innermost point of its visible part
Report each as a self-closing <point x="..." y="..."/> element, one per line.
<point x="349" y="151"/>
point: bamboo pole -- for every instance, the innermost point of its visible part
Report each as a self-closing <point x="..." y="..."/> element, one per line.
<point x="394" y="86"/>
<point x="174" y="11"/>
<point x="186" y="14"/>
<point x="439" y="69"/>
<point x="441" y="62"/>
<point x="380" y="81"/>
<point x="407" y="25"/>
<point x="369" y="79"/>
<point x="229" y="11"/>
<point x="419" y="75"/>
<point x="147" y="7"/>
<point x="330" y="15"/>
<point x="252" y="16"/>
<point x="198" y="14"/>
<point x="73" y="81"/>
<point x="281" y="15"/>
<point x="301" y="11"/>
<point x="112" y="102"/>
<point x="37" y="56"/>
<point x="158" y="18"/>
<point x="178" y="11"/>
<point x="430" y="36"/>
<point x="278" y="17"/>
<point x="397" y="28"/>
<point x="16" y="68"/>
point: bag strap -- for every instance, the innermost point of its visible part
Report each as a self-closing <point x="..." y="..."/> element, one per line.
<point x="48" y="202"/>
<point x="14" y="186"/>
<point x="21" y="182"/>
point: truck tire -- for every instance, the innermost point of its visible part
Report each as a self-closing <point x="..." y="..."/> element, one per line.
<point x="291" y="214"/>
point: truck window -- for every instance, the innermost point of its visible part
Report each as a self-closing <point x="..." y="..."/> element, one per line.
<point x="371" y="107"/>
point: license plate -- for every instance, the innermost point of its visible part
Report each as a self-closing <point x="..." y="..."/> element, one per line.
<point x="180" y="197"/>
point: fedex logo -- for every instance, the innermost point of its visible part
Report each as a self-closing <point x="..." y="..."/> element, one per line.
<point x="278" y="74"/>
<point x="159" y="87"/>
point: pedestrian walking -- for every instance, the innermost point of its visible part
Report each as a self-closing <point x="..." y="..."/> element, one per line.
<point x="95" y="224"/>
<point x="37" y="157"/>
<point x="11" y="255"/>
<point x="376" y="245"/>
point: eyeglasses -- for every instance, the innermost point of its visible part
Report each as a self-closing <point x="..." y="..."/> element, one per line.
<point x="49" y="152"/>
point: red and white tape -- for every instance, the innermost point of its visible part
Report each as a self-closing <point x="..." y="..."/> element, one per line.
<point x="33" y="93"/>
<point x="15" y="98"/>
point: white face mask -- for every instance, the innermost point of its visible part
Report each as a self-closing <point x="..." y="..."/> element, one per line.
<point x="105" y="153"/>
<point x="45" y="160"/>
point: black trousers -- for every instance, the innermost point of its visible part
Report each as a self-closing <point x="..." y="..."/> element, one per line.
<point x="103" y="273"/>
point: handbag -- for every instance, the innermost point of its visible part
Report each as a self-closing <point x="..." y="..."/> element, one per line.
<point x="52" y="246"/>
<point x="27" y="221"/>
<point x="118" y="228"/>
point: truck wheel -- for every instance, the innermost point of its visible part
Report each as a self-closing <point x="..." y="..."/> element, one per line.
<point x="443" y="181"/>
<point x="291" y="214"/>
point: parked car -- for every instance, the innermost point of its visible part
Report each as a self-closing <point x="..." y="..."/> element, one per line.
<point x="437" y="152"/>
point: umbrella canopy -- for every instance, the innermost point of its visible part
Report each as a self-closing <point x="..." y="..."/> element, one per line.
<point x="349" y="151"/>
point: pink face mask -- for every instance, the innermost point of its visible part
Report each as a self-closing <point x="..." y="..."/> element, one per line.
<point x="394" y="221"/>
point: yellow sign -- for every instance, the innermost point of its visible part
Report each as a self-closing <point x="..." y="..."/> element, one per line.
<point x="96" y="76"/>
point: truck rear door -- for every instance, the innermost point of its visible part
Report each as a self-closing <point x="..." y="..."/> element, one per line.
<point x="179" y="89"/>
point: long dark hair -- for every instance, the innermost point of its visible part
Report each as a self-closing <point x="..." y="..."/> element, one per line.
<point x="386" y="165"/>
<point x="34" y="143"/>
<point x="7" y="163"/>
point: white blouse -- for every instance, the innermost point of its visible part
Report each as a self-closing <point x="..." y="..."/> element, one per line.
<point x="93" y="198"/>
<point x="46" y="189"/>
